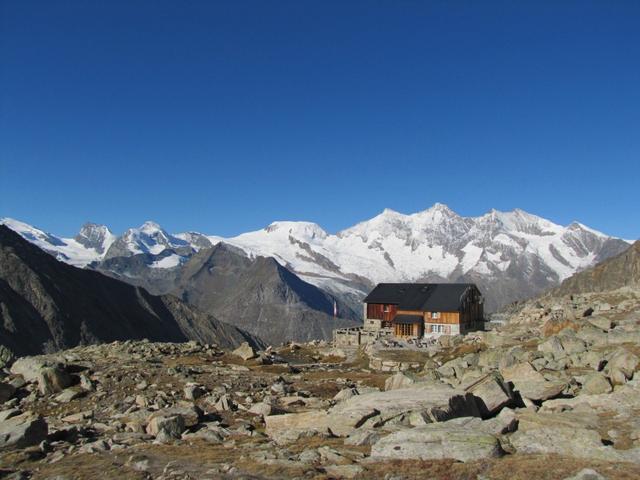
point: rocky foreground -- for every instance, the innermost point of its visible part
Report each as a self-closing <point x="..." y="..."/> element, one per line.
<point x="552" y="394"/>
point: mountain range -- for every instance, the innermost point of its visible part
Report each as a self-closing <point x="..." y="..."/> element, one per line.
<point x="47" y="305"/>
<point x="510" y="255"/>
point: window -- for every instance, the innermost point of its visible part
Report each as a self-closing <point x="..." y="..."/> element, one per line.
<point x="404" y="330"/>
<point x="386" y="309"/>
<point x="437" y="328"/>
<point x="435" y="314"/>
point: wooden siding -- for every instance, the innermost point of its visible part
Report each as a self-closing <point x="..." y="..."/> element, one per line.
<point x="472" y="309"/>
<point x="446" y="330"/>
<point x="377" y="311"/>
<point x="445" y="317"/>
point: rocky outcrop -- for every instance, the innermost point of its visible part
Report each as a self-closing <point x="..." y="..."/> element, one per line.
<point x="21" y="431"/>
<point x="622" y="270"/>
<point x="422" y="404"/>
<point x="438" y="441"/>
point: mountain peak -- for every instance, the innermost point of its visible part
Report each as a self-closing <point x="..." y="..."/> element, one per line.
<point x="305" y="230"/>
<point x="150" y="226"/>
<point x="89" y="228"/>
<point x="440" y="207"/>
<point x="95" y="236"/>
<point x="390" y="211"/>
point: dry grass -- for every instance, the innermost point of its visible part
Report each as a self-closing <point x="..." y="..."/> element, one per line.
<point x="461" y="350"/>
<point x="403" y="355"/>
<point x="554" y="326"/>
<point x="511" y="467"/>
<point x="369" y="379"/>
<point x="201" y="459"/>
<point x="87" y="466"/>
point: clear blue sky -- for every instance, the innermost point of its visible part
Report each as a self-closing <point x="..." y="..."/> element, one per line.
<point x="224" y="116"/>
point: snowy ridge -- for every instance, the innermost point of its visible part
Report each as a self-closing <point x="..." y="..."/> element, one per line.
<point x="516" y="248"/>
<point x="68" y="250"/>
<point x="433" y="243"/>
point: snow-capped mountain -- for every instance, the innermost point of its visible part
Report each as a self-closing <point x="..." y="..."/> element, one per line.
<point x="88" y="246"/>
<point x="151" y="238"/>
<point x="510" y="255"/>
<point x="96" y="237"/>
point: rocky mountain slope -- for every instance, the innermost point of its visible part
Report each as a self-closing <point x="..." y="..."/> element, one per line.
<point x="259" y="295"/>
<point x="46" y="305"/>
<point x="510" y="255"/>
<point x="620" y="271"/>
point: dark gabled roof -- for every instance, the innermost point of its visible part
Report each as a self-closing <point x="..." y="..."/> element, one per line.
<point x="408" y="319"/>
<point x="425" y="297"/>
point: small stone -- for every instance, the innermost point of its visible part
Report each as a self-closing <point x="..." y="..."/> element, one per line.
<point x="586" y="474"/>
<point x="68" y="395"/>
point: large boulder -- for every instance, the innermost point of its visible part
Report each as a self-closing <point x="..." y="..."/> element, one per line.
<point x="572" y="344"/>
<point x="595" y="383"/>
<point x="6" y="391"/>
<point x="245" y="352"/>
<point x="53" y="380"/>
<point x="621" y="401"/>
<point x="261" y="408"/>
<point x="624" y="362"/>
<point x="292" y="426"/>
<point x="6" y="357"/>
<point x="437" y="441"/>
<point x="399" y="380"/>
<point x="51" y="376"/>
<point x="551" y="345"/>
<point x="346" y="393"/>
<point x="431" y="402"/>
<point x="29" y="367"/>
<point x="572" y="435"/>
<point x="491" y="394"/>
<point x="436" y="401"/>
<point x="191" y="414"/>
<point x="531" y="384"/>
<point x="22" y="431"/>
<point x="171" y="426"/>
<point x="600" y="322"/>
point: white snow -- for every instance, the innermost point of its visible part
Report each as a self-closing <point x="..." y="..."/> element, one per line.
<point x="65" y="249"/>
<point x="389" y="247"/>
<point x="472" y="254"/>
<point x="170" y="261"/>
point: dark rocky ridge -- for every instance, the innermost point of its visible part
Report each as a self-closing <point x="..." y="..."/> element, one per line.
<point x="623" y="270"/>
<point x="48" y="305"/>
<point x="137" y="270"/>
<point x="259" y="295"/>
